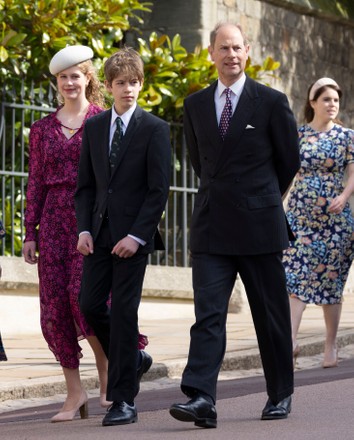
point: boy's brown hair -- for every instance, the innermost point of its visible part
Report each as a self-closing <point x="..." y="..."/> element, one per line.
<point x="126" y="62"/>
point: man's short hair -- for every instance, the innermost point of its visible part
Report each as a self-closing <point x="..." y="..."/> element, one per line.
<point x="221" y="24"/>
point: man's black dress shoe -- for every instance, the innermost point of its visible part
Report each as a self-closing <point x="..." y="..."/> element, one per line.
<point x="120" y="413"/>
<point x="198" y="410"/>
<point x="146" y="362"/>
<point x="278" y="410"/>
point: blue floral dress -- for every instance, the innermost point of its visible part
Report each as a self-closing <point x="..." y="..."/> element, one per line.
<point x="318" y="262"/>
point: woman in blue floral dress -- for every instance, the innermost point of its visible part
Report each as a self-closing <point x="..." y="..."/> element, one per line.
<point x="318" y="261"/>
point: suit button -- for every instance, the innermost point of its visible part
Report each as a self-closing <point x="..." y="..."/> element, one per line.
<point x="110" y="191"/>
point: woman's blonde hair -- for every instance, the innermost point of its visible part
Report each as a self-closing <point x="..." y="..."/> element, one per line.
<point x="94" y="92"/>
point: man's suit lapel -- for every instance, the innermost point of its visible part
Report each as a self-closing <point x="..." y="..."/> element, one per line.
<point x="134" y="121"/>
<point x="105" y="144"/>
<point x="208" y="117"/>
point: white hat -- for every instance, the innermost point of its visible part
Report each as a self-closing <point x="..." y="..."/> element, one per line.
<point x="320" y="83"/>
<point x="68" y="57"/>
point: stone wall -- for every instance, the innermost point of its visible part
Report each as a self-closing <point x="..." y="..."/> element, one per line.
<point x="19" y="292"/>
<point x="20" y="307"/>
<point x="308" y="46"/>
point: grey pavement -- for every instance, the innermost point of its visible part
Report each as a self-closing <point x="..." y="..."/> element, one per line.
<point x="322" y="410"/>
<point x="32" y="376"/>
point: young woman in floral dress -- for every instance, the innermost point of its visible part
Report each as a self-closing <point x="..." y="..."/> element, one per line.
<point x="318" y="262"/>
<point x="54" y="152"/>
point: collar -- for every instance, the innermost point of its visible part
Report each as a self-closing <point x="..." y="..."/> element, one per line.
<point x="236" y="87"/>
<point x="125" y="117"/>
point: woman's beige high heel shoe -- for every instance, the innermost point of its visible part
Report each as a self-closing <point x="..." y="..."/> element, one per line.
<point x="67" y="416"/>
<point x="103" y="402"/>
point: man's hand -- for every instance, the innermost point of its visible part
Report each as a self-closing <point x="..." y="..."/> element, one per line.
<point x="85" y="244"/>
<point x="29" y="252"/>
<point x="126" y="247"/>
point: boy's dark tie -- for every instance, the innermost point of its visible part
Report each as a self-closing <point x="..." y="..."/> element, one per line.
<point x="226" y="114"/>
<point x="115" y="144"/>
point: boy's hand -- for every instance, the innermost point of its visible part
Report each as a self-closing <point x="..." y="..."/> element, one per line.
<point x="126" y="247"/>
<point x="85" y="244"/>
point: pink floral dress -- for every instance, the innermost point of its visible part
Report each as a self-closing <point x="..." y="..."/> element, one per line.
<point x="50" y="221"/>
<point x="318" y="262"/>
<point x="53" y="168"/>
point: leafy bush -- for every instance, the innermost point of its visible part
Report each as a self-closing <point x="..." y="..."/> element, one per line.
<point x="33" y="30"/>
<point x="172" y="73"/>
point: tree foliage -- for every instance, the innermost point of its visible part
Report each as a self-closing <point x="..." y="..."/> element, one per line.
<point x="33" y="30"/>
<point x="172" y="73"/>
<point x="339" y="8"/>
<point x="345" y="8"/>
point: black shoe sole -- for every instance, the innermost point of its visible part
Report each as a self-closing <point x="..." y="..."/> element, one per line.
<point x="185" y="416"/>
<point x="123" y="422"/>
<point x="285" y="416"/>
<point x="274" y="417"/>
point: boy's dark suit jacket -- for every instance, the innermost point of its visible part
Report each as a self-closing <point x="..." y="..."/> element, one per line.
<point x="238" y="209"/>
<point x="134" y="197"/>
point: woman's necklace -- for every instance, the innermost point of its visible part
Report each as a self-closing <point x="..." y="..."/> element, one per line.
<point x="71" y="130"/>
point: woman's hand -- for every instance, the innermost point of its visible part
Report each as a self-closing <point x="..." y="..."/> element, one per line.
<point x="29" y="252"/>
<point x="337" y="204"/>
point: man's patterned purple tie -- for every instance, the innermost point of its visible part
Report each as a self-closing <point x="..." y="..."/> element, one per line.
<point x="226" y="114"/>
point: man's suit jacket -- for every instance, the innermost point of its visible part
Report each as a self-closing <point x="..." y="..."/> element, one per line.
<point x="238" y="209"/>
<point x="134" y="197"/>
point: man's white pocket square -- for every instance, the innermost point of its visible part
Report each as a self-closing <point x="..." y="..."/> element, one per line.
<point x="248" y="126"/>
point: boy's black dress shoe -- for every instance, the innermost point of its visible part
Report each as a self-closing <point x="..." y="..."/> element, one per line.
<point x="146" y="362"/>
<point x="120" y="413"/>
<point x="278" y="410"/>
<point x="198" y="410"/>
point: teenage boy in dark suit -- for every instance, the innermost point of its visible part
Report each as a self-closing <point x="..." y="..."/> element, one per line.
<point x="122" y="190"/>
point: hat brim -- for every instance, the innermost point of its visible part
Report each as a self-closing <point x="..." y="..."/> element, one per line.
<point x="68" y="57"/>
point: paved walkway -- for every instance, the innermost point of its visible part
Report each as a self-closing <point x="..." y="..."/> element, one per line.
<point x="32" y="373"/>
<point x="322" y="410"/>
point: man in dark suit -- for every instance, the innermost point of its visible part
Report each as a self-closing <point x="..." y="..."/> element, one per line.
<point x="122" y="189"/>
<point x="243" y="145"/>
